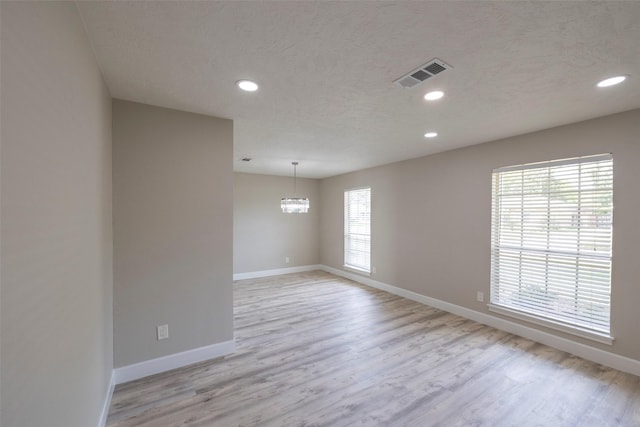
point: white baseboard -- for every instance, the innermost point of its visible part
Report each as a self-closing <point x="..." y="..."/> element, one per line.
<point x="593" y="354"/>
<point x="172" y="361"/>
<point x="275" y="272"/>
<point x="107" y="401"/>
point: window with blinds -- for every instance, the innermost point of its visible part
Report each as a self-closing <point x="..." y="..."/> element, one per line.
<point x="551" y="244"/>
<point x="357" y="229"/>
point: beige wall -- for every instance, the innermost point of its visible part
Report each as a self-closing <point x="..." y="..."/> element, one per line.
<point x="173" y="230"/>
<point x="431" y="216"/>
<point x="262" y="235"/>
<point x="56" y="220"/>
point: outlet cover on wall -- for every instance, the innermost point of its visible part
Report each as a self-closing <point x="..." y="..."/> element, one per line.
<point x="163" y="332"/>
<point x="286" y="259"/>
<point x="480" y="296"/>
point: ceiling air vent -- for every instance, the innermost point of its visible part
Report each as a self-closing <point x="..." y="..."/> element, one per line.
<point x="422" y="73"/>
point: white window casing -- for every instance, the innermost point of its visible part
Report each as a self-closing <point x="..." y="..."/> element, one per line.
<point x="551" y="239"/>
<point x="357" y="229"/>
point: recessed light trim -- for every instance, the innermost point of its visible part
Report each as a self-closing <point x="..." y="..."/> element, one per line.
<point x="247" y="85"/>
<point x="431" y="134"/>
<point x="434" y="95"/>
<point x="612" y="81"/>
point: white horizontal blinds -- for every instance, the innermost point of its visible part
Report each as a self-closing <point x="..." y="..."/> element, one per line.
<point x="551" y="240"/>
<point x="357" y="229"/>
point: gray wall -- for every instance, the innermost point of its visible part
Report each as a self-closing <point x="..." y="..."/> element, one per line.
<point x="262" y="235"/>
<point x="431" y="217"/>
<point x="56" y="220"/>
<point x="173" y="230"/>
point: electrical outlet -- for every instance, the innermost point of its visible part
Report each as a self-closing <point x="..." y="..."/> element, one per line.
<point x="163" y="332"/>
<point x="286" y="259"/>
<point x="480" y="296"/>
<point x="375" y="270"/>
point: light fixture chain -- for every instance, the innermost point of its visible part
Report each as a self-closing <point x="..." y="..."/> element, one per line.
<point x="295" y="177"/>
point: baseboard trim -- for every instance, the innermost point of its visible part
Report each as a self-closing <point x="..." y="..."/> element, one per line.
<point x="275" y="272"/>
<point x="593" y="354"/>
<point x="166" y="363"/>
<point x="107" y="401"/>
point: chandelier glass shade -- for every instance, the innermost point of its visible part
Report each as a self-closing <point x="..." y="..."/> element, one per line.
<point x="294" y="204"/>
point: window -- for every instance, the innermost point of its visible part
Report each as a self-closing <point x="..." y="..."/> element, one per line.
<point x="357" y="229"/>
<point x="551" y="244"/>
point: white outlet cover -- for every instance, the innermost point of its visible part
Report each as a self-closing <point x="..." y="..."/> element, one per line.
<point x="163" y="332"/>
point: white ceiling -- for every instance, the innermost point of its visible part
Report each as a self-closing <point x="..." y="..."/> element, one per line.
<point x="325" y="70"/>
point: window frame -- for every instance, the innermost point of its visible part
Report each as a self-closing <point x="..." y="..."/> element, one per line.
<point x="366" y="270"/>
<point x="545" y="316"/>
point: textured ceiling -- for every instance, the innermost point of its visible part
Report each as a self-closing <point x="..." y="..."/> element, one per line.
<point x="326" y="69"/>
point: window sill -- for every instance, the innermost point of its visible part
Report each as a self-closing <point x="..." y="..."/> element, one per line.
<point x="573" y="330"/>
<point x="357" y="270"/>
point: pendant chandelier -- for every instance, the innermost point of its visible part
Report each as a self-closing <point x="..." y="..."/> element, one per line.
<point x="294" y="204"/>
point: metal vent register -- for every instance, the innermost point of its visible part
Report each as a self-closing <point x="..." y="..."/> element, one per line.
<point x="422" y="73"/>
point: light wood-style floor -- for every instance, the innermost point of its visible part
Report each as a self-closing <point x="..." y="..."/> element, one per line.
<point x="317" y="350"/>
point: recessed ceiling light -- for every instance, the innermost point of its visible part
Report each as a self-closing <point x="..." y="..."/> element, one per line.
<point x="431" y="134"/>
<point x="433" y="95"/>
<point x="247" y="85"/>
<point x="612" y="81"/>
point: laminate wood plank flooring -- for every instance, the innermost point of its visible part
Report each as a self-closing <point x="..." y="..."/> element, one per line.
<point x="313" y="349"/>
